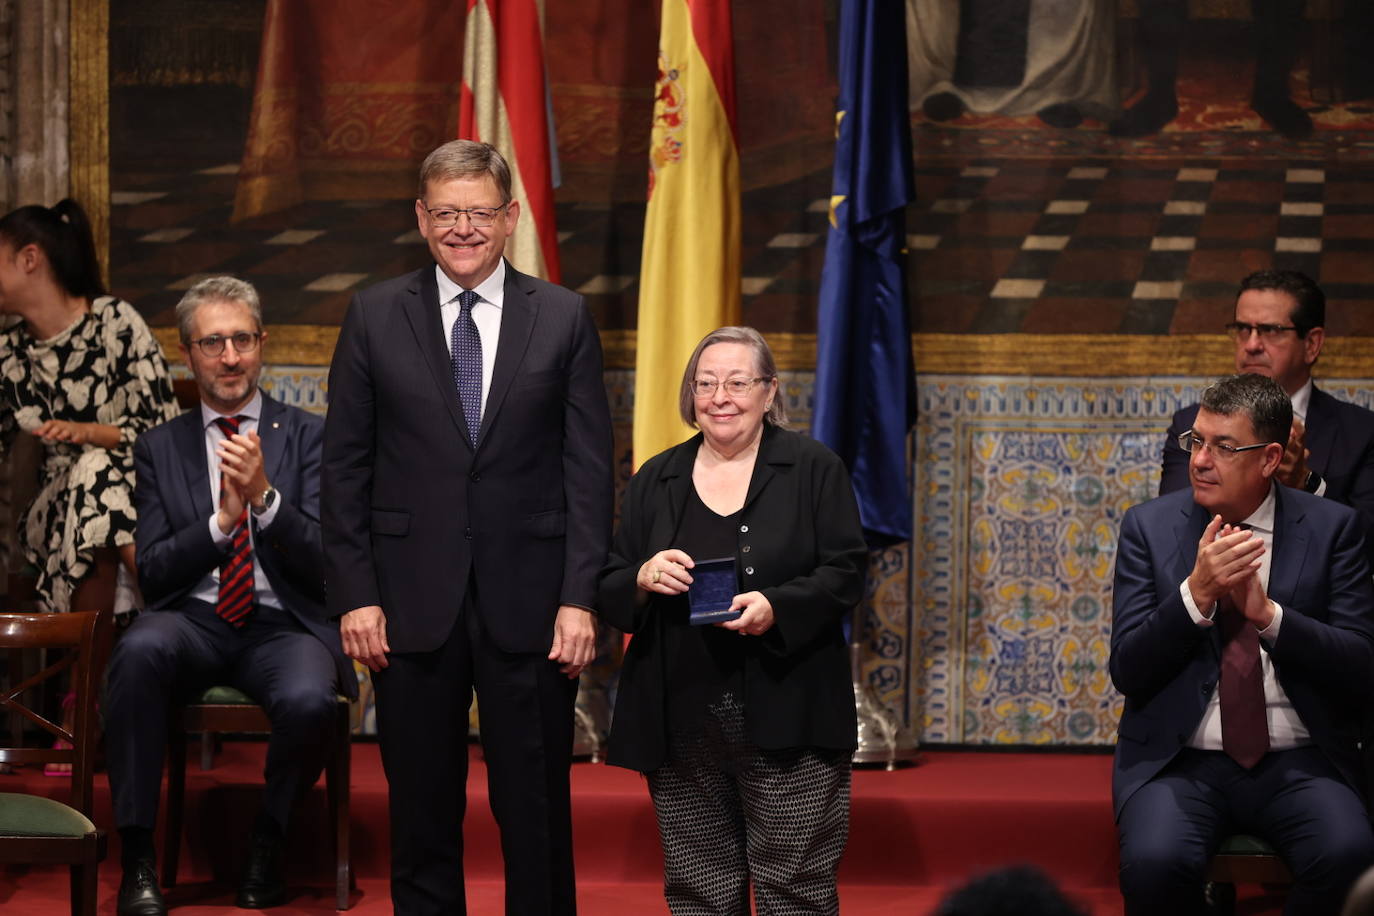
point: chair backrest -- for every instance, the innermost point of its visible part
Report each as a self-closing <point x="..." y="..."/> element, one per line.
<point x="78" y="643"/>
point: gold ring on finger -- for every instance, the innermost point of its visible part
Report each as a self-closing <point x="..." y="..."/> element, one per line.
<point x="657" y="574"/>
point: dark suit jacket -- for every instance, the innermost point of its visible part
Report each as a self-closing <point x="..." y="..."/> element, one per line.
<point x="1340" y="436"/>
<point x="411" y="510"/>
<point x="1167" y="666"/>
<point x="172" y="496"/>
<point x="800" y="544"/>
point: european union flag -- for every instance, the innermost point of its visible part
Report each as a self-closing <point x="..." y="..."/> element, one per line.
<point x="865" y="399"/>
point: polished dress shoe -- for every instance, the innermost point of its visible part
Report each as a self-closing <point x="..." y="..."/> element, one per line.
<point x="139" y="894"/>
<point x="263" y="885"/>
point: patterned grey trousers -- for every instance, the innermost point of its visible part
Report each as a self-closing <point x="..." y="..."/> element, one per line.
<point x="729" y="812"/>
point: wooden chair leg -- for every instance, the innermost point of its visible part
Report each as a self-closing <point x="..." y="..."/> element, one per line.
<point x="338" y="774"/>
<point x="84" y="889"/>
<point x="176" y="800"/>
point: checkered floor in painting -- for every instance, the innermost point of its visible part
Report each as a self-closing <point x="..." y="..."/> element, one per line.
<point x="1098" y="245"/>
<point x="1132" y="246"/>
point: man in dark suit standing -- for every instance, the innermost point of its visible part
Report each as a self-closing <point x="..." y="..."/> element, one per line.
<point x="1279" y="331"/>
<point x="1243" y="641"/>
<point x="230" y="562"/>
<point x="467" y="495"/>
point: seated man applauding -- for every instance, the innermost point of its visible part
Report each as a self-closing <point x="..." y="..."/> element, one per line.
<point x="229" y="560"/>
<point x="1243" y="640"/>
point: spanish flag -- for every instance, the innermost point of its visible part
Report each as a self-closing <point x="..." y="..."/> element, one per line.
<point x="505" y="102"/>
<point x="690" y="271"/>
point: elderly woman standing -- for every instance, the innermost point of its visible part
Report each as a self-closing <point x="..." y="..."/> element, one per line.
<point x="746" y="727"/>
<point x="80" y="371"/>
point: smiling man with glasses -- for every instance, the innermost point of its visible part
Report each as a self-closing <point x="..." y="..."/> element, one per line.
<point x="1278" y="329"/>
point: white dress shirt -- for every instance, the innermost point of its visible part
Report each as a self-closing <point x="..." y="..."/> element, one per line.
<point x="486" y="314"/>
<point x="207" y="589"/>
<point x="1286" y="728"/>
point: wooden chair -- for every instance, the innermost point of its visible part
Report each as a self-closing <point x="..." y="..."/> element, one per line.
<point x="33" y="828"/>
<point x="224" y="709"/>
<point x="1243" y="859"/>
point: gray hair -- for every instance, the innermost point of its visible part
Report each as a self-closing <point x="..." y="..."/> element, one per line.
<point x="763" y="360"/>
<point x="216" y="289"/>
<point x="466" y="159"/>
<point x="1258" y="397"/>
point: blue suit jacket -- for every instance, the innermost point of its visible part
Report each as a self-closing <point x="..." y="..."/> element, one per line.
<point x="172" y="496"/>
<point x="1167" y="666"/>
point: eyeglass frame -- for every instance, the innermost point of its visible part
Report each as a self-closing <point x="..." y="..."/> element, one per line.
<point x="1219" y="449"/>
<point x="222" y="340"/>
<point x="1241" y="330"/>
<point x="469" y="211"/>
<point x="714" y="384"/>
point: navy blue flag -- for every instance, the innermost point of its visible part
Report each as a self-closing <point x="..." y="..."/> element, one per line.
<point x="865" y="382"/>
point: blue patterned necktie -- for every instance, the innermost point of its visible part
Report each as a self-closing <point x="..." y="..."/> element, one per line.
<point x="467" y="363"/>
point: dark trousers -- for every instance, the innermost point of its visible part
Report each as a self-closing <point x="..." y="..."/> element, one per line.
<point x="731" y="814"/>
<point x="165" y="655"/>
<point x="526" y="709"/>
<point x="1278" y="26"/>
<point x="1296" y="800"/>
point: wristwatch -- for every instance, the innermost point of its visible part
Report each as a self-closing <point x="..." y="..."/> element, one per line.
<point x="269" y="497"/>
<point x="1312" y="481"/>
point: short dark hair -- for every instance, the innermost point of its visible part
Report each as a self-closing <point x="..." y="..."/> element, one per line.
<point x="1310" y="309"/>
<point x="63" y="233"/>
<point x="1257" y="396"/>
<point x="1019" y="890"/>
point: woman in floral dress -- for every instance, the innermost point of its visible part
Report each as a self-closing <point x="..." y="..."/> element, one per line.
<point x="80" y="371"/>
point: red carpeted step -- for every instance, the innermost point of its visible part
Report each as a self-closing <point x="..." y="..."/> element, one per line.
<point x="914" y="833"/>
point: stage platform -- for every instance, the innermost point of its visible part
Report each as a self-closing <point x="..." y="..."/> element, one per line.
<point x="915" y="833"/>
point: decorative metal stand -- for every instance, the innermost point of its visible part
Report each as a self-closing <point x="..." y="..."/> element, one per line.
<point x="882" y="738"/>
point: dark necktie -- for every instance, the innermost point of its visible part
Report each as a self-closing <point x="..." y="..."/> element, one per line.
<point x="1244" y="724"/>
<point x="236" y="572"/>
<point x="467" y="363"/>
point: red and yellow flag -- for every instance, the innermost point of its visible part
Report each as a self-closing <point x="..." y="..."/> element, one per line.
<point x="690" y="270"/>
<point x="505" y="103"/>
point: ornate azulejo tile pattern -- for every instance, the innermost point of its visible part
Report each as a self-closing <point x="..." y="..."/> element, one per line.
<point x="1020" y="488"/>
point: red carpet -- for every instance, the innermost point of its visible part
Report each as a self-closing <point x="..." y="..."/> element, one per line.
<point x="914" y="833"/>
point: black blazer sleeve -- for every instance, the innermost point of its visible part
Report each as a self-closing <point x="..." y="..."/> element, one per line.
<point x="346" y="474"/>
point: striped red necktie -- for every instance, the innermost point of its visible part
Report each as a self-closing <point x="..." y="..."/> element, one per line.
<point x="236" y="572"/>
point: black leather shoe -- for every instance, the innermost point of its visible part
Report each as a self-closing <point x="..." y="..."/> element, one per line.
<point x="263" y="885"/>
<point x="1147" y="117"/>
<point x="1284" y="115"/>
<point x="139" y="894"/>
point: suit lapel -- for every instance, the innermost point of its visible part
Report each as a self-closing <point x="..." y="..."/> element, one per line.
<point x="421" y="308"/>
<point x="518" y="312"/>
<point x="189" y="437"/>
<point x="1290" y="549"/>
<point x="272" y="432"/>
<point x="1322" y="428"/>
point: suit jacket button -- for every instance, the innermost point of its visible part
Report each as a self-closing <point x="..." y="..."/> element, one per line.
<point x="744" y="529"/>
<point x="474" y="476"/>
<point x="744" y="549"/>
<point x="748" y="570"/>
<point x="1206" y="689"/>
<point x="467" y="533"/>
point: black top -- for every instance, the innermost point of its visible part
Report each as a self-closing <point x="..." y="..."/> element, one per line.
<point x="799" y="544"/>
<point x="703" y="662"/>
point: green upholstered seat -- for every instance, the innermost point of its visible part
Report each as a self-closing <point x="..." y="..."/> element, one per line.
<point x="223" y="696"/>
<point x="1243" y="844"/>
<point x="33" y="815"/>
